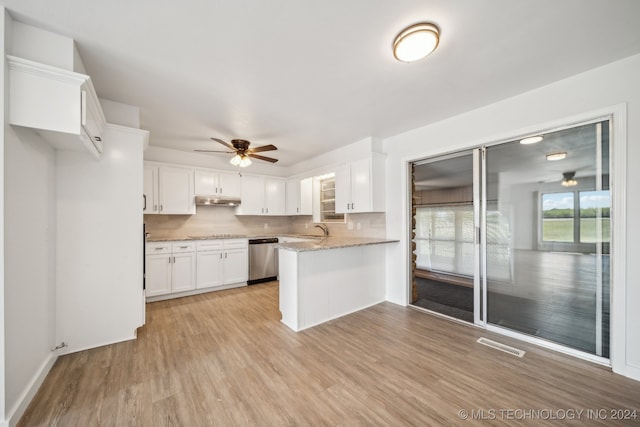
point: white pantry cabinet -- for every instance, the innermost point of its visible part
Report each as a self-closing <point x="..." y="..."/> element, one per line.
<point x="168" y="190"/>
<point x="360" y="186"/>
<point x="214" y="183"/>
<point x="262" y="196"/>
<point x="170" y="268"/>
<point x="299" y="196"/>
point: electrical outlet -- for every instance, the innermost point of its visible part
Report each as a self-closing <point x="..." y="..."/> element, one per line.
<point x="358" y="226"/>
<point x="350" y="225"/>
<point x="266" y="225"/>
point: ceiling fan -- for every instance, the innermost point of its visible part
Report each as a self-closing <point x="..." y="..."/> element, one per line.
<point x="242" y="151"/>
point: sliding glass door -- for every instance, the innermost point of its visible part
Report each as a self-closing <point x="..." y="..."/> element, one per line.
<point x="516" y="235"/>
<point x="547" y="245"/>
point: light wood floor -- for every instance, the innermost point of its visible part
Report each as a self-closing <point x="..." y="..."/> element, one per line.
<point x="225" y="359"/>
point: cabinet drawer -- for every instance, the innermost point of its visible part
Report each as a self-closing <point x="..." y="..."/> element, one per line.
<point x="158" y="248"/>
<point x="209" y="245"/>
<point x="183" y="247"/>
<point x="236" y="243"/>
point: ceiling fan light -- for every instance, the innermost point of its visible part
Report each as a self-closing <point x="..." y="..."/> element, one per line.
<point x="244" y="161"/>
<point x="416" y="42"/>
<point x="235" y="160"/>
<point x="569" y="182"/>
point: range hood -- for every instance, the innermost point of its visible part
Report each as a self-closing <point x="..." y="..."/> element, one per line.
<point x="216" y="201"/>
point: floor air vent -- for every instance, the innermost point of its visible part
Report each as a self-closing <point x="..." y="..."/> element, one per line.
<point x="502" y="347"/>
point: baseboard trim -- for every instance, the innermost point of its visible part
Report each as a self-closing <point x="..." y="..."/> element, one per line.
<point x="17" y="411"/>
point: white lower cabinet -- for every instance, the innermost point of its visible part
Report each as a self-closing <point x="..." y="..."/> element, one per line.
<point x="187" y="267"/>
<point x="222" y="262"/>
<point x="170" y="268"/>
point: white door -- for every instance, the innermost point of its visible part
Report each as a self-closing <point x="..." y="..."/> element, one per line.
<point x="306" y="196"/>
<point x="150" y="190"/>
<point x="209" y="269"/>
<point x="206" y="183"/>
<point x="292" y="197"/>
<point x="343" y="189"/>
<point x="274" y="195"/>
<point x="235" y="266"/>
<point x="361" y="186"/>
<point x="158" y="274"/>
<point x="176" y="190"/>
<point x="183" y="273"/>
<point x="229" y="184"/>
<point x="252" y="196"/>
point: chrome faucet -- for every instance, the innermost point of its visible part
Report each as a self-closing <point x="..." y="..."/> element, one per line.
<point x="324" y="229"/>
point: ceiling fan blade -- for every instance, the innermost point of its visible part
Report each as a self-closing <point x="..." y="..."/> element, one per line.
<point x="226" y="144"/>
<point x="266" y="159"/>
<point x="214" y="151"/>
<point x="269" y="147"/>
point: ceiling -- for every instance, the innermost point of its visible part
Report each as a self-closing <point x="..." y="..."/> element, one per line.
<point x="310" y="76"/>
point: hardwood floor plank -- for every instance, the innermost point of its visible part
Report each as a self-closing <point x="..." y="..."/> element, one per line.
<point x="225" y="359"/>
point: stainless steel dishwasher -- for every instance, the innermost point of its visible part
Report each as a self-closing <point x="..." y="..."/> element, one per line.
<point x="263" y="260"/>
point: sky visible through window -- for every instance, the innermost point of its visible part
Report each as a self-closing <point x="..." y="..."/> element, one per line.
<point x="588" y="199"/>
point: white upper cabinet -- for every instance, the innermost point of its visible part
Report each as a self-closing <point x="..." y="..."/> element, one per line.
<point x="299" y="194"/>
<point x="262" y="196"/>
<point x="213" y="183"/>
<point x="168" y="190"/>
<point x="61" y="104"/>
<point x="360" y="186"/>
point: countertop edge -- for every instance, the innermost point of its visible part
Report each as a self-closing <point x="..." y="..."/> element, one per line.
<point x="328" y="244"/>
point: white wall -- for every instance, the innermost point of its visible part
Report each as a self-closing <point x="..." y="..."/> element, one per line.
<point x="5" y="25"/>
<point x="594" y="90"/>
<point x="100" y="242"/>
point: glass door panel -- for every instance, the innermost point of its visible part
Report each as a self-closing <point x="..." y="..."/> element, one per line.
<point x="547" y="237"/>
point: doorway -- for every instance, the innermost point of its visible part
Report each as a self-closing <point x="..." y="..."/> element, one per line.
<point x="523" y="229"/>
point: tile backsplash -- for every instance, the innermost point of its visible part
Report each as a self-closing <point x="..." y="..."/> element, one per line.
<point x="210" y="220"/>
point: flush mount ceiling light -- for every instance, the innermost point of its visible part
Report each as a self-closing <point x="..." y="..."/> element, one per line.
<point x="416" y="42"/>
<point x="531" y="140"/>
<point x="556" y="156"/>
<point x="568" y="179"/>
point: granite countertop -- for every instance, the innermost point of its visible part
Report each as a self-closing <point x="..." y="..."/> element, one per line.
<point x="153" y="239"/>
<point x="332" y="243"/>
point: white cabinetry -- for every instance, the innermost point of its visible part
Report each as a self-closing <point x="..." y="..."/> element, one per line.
<point x="213" y="183"/>
<point x="62" y="104"/>
<point x="170" y="267"/>
<point x="360" y="186"/>
<point x="262" y="196"/>
<point x="168" y="190"/>
<point x="210" y="264"/>
<point x="299" y="196"/>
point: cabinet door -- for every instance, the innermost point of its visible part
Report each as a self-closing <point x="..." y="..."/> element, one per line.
<point x="176" y="190"/>
<point x="236" y="269"/>
<point x="229" y="184"/>
<point x="343" y="189"/>
<point x="209" y="267"/>
<point x="206" y="183"/>
<point x="292" y="197"/>
<point x="252" y="195"/>
<point x="274" y="196"/>
<point x="306" y="196"/>
<point x="183" y="272"/>
<point x="158" y="274"/>
<point x="360" y="186"/>
<point x="150" y="190"/>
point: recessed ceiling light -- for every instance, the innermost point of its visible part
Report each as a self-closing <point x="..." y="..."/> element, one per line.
<point x="416" y="42"/>
<point x="531" y="140"/>
<point x="556" y="156"/>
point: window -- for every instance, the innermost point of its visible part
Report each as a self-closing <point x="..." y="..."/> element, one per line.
<point x="576" y="217"/>
<point x="328" y="200"/>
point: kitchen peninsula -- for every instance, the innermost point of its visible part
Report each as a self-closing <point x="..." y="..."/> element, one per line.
<point x="324" y="279"/>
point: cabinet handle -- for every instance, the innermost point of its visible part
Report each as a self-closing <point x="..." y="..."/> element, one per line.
<point x="144" y="197"/>
<point x="225" y="255"/>
<point x="220" y="190"/>
<point x="351" y="206"/>
<point x="220" y="255"/>
<point x="159" y="249"/>
<point x="160" y="208"/>
<point x="155" y="208"/>
<point x="184" y="247"/>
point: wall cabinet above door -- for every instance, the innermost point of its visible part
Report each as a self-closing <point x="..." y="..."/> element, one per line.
<point x="168" y="190"/>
